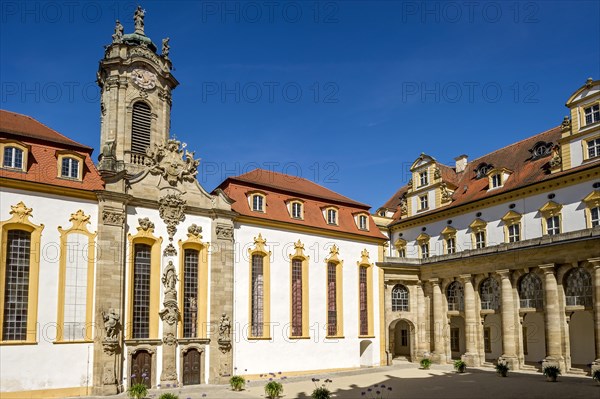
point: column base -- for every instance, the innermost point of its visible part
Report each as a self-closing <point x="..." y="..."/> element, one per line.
<point x="439" y="358"/>
<point x="106" y="390"/>
<point x="511" y="361"/>
<point x="558" y="361"/>
<point x="595" y="366"/>
<point x="471" y="359"/>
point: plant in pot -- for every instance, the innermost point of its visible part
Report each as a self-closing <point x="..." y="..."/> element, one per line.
<point x="273" y="389"/>
<point x="237" y="383"/>
<point x="460" y="366"/>
<point x="425" y="363"/>
<point x="596" y="375"/>
<point x="502" y="369"/>
<point x="321" y="391"/>
<point x="137" y="391"/>
<point x="551" y="373"/>
<point x="168" y="395"/>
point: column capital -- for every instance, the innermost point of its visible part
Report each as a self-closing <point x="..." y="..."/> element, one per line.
<point x="504" y="274"/>
<point x="548" y="268"/>
<point x="595" y="262"/>
<point x="466" y="277"/>
<point x="434" y="281"/>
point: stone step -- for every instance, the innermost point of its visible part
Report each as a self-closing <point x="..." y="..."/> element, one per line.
<point x="576" y="371"/>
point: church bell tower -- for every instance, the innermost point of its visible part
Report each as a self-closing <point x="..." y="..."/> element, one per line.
<point x="136" y="84"/>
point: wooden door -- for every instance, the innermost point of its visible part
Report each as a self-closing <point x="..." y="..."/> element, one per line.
<point x="141" y="368"/>
<point x="191" y="367"/>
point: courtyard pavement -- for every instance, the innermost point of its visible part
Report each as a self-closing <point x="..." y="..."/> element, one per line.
<point x="406" y="380"/>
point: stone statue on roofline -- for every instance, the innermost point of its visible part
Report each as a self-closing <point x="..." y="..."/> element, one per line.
<point x="138" y="20"/>
<point x="165" y="47"/>
<point x="118" y="35"/>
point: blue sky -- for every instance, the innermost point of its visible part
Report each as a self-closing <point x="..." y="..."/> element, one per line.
<point x="344" y="93"/>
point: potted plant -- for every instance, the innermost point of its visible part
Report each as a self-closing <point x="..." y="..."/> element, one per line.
<point x="460" y="366"/>
<point x="551" y="373"/>
<point x="237" y="383"/>
<point x="321" y="391"/>
<point x="137" y="391"/>
<point x="168" y="395"/>
<point x="596" y="375"/>
<point x="273" y="389"/>
<point x="425" y="363"/>
<point x="502" y="369"/>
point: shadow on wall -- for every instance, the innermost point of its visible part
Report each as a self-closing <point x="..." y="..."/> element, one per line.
<point x="472" y="384"/>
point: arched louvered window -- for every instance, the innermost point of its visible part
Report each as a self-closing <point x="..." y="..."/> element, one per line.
<point x="141" y="122"/>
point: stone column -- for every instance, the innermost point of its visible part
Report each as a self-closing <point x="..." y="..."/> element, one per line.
<point x="221" y="301"/>
<point x="421" y="328"/>
<point x="596" y="278"/>
<point x="554" y="354"/>
<point x="110" y="302"/>
<point x="509" y="349"/>
<point x="169" y="315"/>
<point x="439" y="353"/>
<point x="471" y="357"/>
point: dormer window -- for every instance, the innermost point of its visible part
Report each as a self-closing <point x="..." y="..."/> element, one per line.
<point x="541" y="149"/>
<point x="592" y="114"/>
<point x="13" y="158"/>
<point x="497" y="180"/>
<point x="482" y="170"/>
<point x="296" y="210"/>
<point x="69" y="168"/>
<point x="362" y="222"/>
<point x="258" y="203"/>
<point x="13" y="155"/>
<point x="423" y="178"/>
<point x="332" y="216"/>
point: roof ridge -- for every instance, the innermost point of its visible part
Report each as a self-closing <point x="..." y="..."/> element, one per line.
<point x="516" y="143"/>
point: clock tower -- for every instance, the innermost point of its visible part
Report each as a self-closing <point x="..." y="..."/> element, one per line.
<point x="136" y="84"/>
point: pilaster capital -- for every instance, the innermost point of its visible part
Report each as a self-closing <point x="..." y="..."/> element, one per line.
<point x="595" y="262"/>
<point x="434" y="281"/>
<point x="548" y="268"/>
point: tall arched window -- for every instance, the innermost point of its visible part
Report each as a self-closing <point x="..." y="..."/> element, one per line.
<point x="256" y="323"/>
<point x="490" y="294"/>
<point x="531" y="293"/>
<point x="399" y="298"/>
<point x="190" y="292"/>
<point x="141" y="291"/>
<point x="297" y="297"/>
<point x="141" y="122"/>
<point x="456" y="296"/>
<point x="578" y="288"/>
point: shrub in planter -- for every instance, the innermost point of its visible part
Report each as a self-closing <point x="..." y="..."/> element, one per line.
<point x="460" y="366"/>
<point x="237" y="383"/>
<point x="502" y="369"/>
<point x="168" y="395"/>
<point x="551" y="373"/>
<point x="321" y="391"/>
<point x="596" y="375"/>
<point x="425" y="363"/>
<point x="273" y="389"/>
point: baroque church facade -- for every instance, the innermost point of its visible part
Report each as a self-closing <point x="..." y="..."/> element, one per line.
<point x="127" y="270"/>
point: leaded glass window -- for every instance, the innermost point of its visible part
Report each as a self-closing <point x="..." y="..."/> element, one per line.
<point x="363" y="295"/>
<point x="456" y="296"/>
<point x="399" y="298"/>
<point x="531" y="293"/>
<point x="16" y="289"/>
<point x="190" y="292"/>
<point x="578" y="288"/>
<point x="331" y="299"/>
<point x="141" y="291"/>
<point x="490" y="294"/>
<point x="76" y="278"/>
<point x="257" y="296"/>
<point x="296" y="297"/>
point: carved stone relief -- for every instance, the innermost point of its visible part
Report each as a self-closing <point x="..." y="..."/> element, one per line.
<point x="167" y="160"/>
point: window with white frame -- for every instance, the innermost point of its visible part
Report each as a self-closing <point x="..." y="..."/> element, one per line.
<point x="331" y="216"/>
<point x="400" y="298"/>
<point x="592" y="114"/>
<point x="553" y="225"/>
<point x="451" y="245"/>
<point x="362" y="222"/>
<point x="423" y="178"/>
<point x="425" y="250"/>
<point x="13" y="158"/>
<point x="497" y="180"/>
<point x="258" y="203"/>
<point x="296" y="210"/>
<point x="480" y="239"/>
<point x="402" y="252"/>
<point x="69" y="168"/>
<point x="76" y="283"/>
<point x="593" y="147"/>
<point x="423" y="202"/>
<point x="514" y="232"/>
<point x="595" y="216"/>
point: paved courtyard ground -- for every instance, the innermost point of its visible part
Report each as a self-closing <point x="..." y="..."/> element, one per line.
<point x="406" y="380"/>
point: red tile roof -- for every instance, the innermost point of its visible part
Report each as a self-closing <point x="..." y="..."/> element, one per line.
<point x="26" y="126"/>
<point x="280" y="188"/>
<point x="516" y="157"/>
<point x="42" y="162"/>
